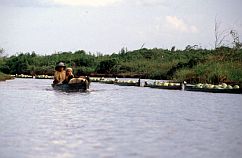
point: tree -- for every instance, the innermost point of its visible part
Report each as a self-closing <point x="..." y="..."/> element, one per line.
<point x="236" y="42"/>
<point x="1" y="52"/>
<point x="220" y="35"/>
<point x="106" y="66"/>
<point x="173" y="48"/>
<point x="189" y="47"/>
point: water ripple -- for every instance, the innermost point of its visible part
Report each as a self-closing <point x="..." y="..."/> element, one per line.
<point x="113" y="121"/>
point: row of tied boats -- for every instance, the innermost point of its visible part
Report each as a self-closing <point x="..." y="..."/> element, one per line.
<point x="83" y="85"/>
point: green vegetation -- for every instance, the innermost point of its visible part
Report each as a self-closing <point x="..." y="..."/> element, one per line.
<point x="193" y="65"/>
<point x="4" y="77"/>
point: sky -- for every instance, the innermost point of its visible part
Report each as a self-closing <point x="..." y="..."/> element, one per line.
<point x="106" y="26"/>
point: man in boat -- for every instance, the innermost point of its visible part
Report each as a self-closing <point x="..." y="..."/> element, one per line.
<point x="69" y="75"/>
<point x="60" y="73"/>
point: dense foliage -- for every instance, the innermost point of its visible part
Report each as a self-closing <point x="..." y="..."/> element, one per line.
<point x="193" y="65"/>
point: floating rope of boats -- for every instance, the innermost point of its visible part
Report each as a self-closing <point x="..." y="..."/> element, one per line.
<point x="221" y="88"/>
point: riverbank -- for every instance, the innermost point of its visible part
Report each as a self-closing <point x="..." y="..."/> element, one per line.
<point x="4" y="77"/>
<point x="221" y="65"/>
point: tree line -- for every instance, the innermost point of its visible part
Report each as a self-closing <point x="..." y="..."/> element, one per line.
<point x="193" y="64"/>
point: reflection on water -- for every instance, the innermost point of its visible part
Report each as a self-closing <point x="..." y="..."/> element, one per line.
<point x="116" y="121"/>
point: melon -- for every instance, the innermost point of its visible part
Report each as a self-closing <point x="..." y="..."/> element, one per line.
<point x="171" y="84"/>
<point x="129" y="81"/>
<point x="224" y="85"/>
<point x="236" y="87"/>
<point x="177" y="84"/>
<point x="166" y="84"/>
<point x="217" y="87"/>
<point x="229" y="87"/>
<point x="205" y="86"/>
<point x="162" y="83"/>
<point x="199" y="85"/>
<point x="211" y="86"/>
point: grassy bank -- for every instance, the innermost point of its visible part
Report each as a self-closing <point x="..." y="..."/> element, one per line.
<point x="193" y="65"/>
<point x="4" y="77"/>
<point x="216" y="68"/>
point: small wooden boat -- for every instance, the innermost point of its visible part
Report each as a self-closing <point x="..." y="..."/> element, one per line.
<point x="44" y="77"/>
<point x="95" y="79"/>
<point x="127" y="84"/>
<point x="175" y="87"/>
<point x="23" y="76"/>
<point x="212" y="90"/>
<point x="107" y="81"/>
<point x="74" y="87"/>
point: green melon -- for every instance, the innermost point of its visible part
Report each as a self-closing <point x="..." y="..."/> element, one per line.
<point x="236" y="87"/>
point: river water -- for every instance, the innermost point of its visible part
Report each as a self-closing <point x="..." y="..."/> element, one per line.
<point x="115" y="121"/>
